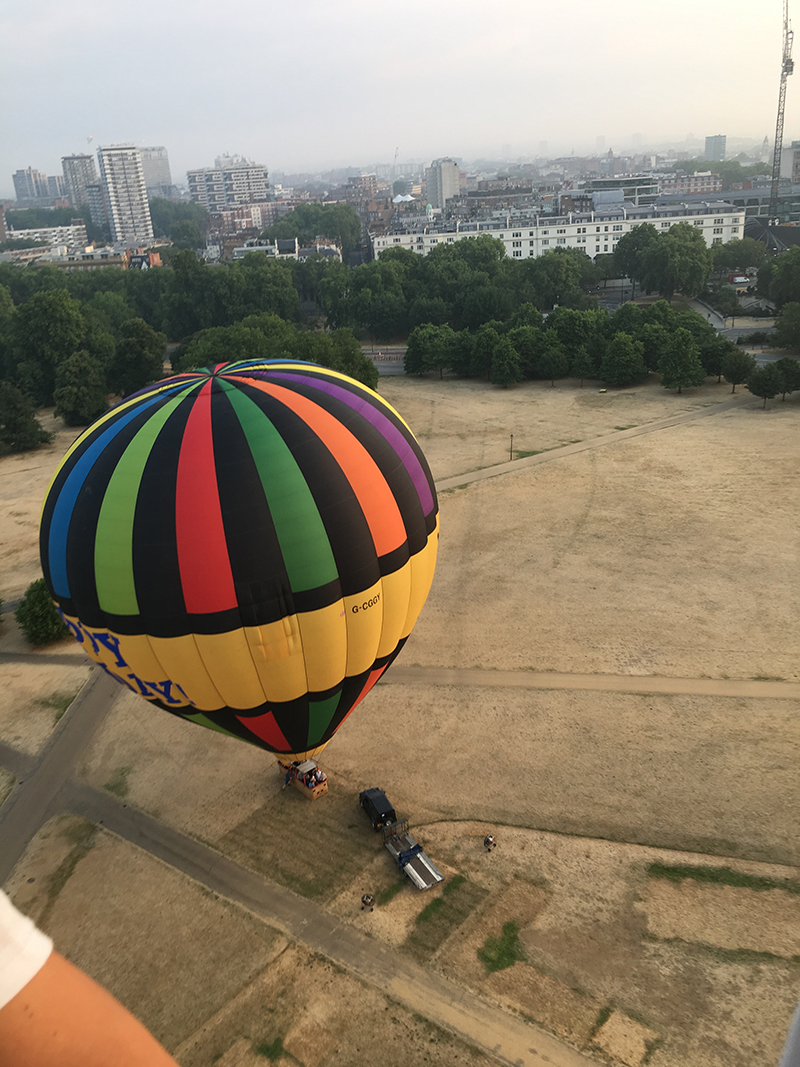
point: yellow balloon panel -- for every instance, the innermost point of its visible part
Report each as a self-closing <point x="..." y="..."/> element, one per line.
<point x="325" y="637"/>
<point x="181" y="658"/>
<point x="230" y="665"/>
<point x="395" y="596"/>
<point x="364" y="614"/>
<point x="423" y="565"/>
<point x="277" y="652"/>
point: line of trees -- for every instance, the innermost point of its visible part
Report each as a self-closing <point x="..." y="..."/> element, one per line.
<point x="618" y="349"/>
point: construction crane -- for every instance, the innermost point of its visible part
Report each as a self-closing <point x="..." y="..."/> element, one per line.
<point x="787" y="68"/>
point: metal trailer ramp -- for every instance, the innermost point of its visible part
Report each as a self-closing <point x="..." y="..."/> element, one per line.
<point x="410" y="856"/>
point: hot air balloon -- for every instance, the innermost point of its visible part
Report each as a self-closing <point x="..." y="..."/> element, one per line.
<point x="246" y="546"/>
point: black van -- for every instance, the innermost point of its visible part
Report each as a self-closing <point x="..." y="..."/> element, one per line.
<point x="376" y="805"/>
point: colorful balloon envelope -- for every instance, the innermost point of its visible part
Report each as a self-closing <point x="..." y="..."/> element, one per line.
<point x="247" y="546"/>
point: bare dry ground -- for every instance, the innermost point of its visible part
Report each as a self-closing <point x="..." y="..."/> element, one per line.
<point x="671" y="554"/>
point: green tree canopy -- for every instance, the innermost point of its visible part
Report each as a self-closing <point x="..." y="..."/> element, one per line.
<point x="789" y="370"/>
<point x="167" y="214"/>
<point x="622" y="361"/>
<point x="81" y="394"/>
<point x="679" y="262"/>
<point x="506" y="369"/>
<point x="679" y="363"/>
<point x="47" y="330"/>
<point x="338" y="222"/>
<point x="765" y="382"/>
<point x="630" y="250"/>
<point x="20" y="430"/>
<point x="787" y="325"/>
<point x="138" y="359"/>
<point x="737" y="366"/>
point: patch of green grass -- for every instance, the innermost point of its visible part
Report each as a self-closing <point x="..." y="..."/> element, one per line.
<point x="118" y="782"/>
<point x="59" y="702"/>
<point x="723" y="955"/>
<point x="652" y="1047"/>
<point x="625" y="427"/>
<point x="768" y="678"/>
<point x="390" y="892"/>
<point x="722" y="876"/>
<point x="272" y="1051"/>
<point x="602" y="1018"/>
<point x="524" y="455"/>
<point x="441" y="916"/>
<point x="497" y="953"/>
<point x="82" y="836"/>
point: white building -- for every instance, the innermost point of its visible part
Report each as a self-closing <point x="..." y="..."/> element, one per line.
<point x="73" y="236"/>
<point x="218" y="188"/>
<point x="155" y="164"/>
<point x="596" y="233"/>
<point x="442" y="179"/>
<point x="125" y="195"/>
<point x="79" y="172"/>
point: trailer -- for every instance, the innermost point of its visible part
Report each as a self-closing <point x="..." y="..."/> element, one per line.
<point x="410" y="856"/>
<point x="305" y="776"/>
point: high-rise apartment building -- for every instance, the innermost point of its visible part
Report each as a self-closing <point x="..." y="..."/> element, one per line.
<point x="443" y="181"/>
<point x="79" y="171"/>
<point x="56" y="186"/>
<point x="30" y="184"/>
<point x="228" y="186"/>
<point x="715" y="148"/>
<point x="96" y="199"/>
<point x="125" y="194"/>
<point x="155" y="164"/>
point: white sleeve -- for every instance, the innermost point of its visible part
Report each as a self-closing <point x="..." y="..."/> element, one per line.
<point x="23" y="950"/>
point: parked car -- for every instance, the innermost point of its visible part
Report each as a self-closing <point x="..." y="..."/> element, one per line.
<point x="376" y="804"/>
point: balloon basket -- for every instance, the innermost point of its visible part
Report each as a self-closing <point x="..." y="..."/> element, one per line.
<point x="305" y="776"/>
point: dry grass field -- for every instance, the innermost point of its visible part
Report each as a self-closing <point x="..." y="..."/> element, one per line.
<point x="673" y="555"/>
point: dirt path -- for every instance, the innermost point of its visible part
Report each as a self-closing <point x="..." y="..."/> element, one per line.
<point x="609" y="683"/>
<point x="460" y="480"/>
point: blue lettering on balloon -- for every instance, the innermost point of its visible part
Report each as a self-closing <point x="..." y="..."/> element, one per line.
<point x="165" y="690"/>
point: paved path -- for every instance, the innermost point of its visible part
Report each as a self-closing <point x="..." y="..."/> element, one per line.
<point x="513" y="466"/>
<point x="609" y="683"/>
<point x="35" y="798"/>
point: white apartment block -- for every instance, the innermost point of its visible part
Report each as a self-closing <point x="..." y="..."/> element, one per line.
<point x="155" y="164"/>
<point x="596" y="233"/>
<point x="703" y="182"/>
<point x="125" y="195"/>
<point x="73" y="236"/>
<point x="218" y="188"/>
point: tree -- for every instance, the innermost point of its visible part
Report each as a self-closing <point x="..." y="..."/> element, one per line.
<point x="739" y="255"/>
<point x="347" y="358"/>
<point x="338" y="222"/>
<point x="526" y="340"/>
<point x="506" y="369"/>
<point x="486" y="341"/>
<point x="631" y="247"/>
<point x="47" y="331"/>
<point x="789" y="370"/>
<point x="551" y="359"/>
<point x="765" y="381"/>
<point x="139" y="358"/>
<point x="678" y="262"/>
<point x="582" y="365"/>
<point x="225" y="344"/>
<point x="80" y="393"/>
<point x="787" y="326"/>
<point x="784" y="276"/>
<point x="737" y="366"/>
<point x="38" y="616"/>
<point x="622" y="362"/>
<point x="20" y="430"/>
<point x="680" y="364"/>
<point x="712" y="355"/>
<point x="187" y="234"/>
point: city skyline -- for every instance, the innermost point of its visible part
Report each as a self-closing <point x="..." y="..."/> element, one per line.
<point x="306" y="95"/>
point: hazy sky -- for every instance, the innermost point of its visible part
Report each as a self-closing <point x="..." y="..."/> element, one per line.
<point x="309" y="84"/>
